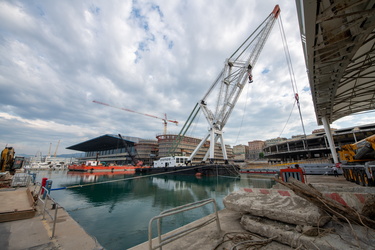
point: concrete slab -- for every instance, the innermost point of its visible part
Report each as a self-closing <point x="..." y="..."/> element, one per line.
<point x="333" y="236"/>
<point x="69" y="234"/>
<point x="25" y="234"/>
<point x="16" y="204"/>
<point x="281" y="205"/>
<point x="335" y="184"/>
<point x="208" y="237"/>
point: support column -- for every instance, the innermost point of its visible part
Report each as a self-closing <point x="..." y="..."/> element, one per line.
<point x="331" y="143"/>
<point x="355" y="138"/>
<point x="212" y="146"/>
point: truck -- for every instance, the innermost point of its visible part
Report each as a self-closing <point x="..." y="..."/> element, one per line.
<point x="358" y="161"/>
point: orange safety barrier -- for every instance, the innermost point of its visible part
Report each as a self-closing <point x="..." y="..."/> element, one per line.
<point x="295" y="173"/>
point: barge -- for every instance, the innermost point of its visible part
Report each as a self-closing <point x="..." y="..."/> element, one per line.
<point x="198" y="170"/>
<point x="96" y="166"/>
<point x="181" y="165"/>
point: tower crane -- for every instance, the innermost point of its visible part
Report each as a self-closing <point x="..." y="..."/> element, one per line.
<point x="58" y="143"/>
<point x="165" y="120"/>
<point x="219" y="101"/>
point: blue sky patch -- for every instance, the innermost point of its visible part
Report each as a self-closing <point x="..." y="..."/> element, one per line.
<point x="169" y="42"/>
<point x="306" y="89"/>
<point x="157" y="8"/>
<point x="94" y="10"/>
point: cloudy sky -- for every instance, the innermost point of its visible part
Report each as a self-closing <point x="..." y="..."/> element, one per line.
<point x="154" y="57"/>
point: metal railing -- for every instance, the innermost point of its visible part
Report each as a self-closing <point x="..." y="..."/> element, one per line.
<point x="21" y="180"/>
<point x="45" y="198"/>
<point x="180" y="234"/>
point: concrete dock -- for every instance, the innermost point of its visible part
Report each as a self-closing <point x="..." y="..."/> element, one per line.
<point x="208" y="237"/>
<point x="35" y="233"/>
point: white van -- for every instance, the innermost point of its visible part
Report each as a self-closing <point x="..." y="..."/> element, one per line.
<point x="172" y="161"/>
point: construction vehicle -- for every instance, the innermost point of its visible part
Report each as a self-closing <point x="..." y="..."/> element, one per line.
<point x="9" y="162"/>
<point x="132" y="155"/>
<point x="358" y="161"/>
<point x="165" y="120"/>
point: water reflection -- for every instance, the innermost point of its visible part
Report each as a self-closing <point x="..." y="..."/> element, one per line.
<point x="117" y="208"/>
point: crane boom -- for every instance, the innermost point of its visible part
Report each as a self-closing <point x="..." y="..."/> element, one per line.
<point x="221" y="98"/>
<point x="165" y="120"/>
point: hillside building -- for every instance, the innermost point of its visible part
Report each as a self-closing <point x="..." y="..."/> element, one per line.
<point x="255" y="149"/>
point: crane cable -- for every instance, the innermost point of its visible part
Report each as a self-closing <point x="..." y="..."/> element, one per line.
<point x="243" y="114"/>
<point x="126" y="179"/>
<point x="291" y="73"/>
<point x="290" y="114"/>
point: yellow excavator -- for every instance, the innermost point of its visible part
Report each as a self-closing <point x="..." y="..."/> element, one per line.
<point x="358" y="161"/>
<point x="361" y="151"/>
<point x="8" y="162"/>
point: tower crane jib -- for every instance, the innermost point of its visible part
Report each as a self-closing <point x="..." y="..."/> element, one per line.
<point x="165" y="120"/>
<point x="221" y="98"/>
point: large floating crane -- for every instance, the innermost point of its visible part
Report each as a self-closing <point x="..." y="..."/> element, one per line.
<point x="218" y="103"/>
<point x="165" y="120"/>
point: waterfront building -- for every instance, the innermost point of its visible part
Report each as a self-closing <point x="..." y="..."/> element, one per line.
<point x="315" y="146"/>
<point x="241" y="152"/>
<point x="109" y="149"/>
<point x="274" y="141"/>
<point x="147" y="151"/>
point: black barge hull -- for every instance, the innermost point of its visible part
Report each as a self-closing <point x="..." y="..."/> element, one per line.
<point x="207" y="170"/>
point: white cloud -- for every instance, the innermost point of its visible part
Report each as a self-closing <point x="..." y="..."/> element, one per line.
<point x="150" y="56"/>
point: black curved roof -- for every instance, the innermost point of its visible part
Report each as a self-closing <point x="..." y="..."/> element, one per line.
<point x="104" y="142"/>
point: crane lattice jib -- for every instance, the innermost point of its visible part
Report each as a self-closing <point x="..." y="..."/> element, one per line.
<point x="221" y="98"/>
<point x="236" y="72"/>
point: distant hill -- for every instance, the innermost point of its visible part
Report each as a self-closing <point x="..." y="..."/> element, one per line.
<point x="24" y="155"/>
<point x="76" y="155"/>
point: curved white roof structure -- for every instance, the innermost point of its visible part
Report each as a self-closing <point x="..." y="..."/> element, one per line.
<point x="339" y="44"/>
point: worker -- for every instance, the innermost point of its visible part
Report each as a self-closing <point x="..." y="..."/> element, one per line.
<point x="249" y="68"/>
<point x="335" y="173"/>
<point x="296" y="166"/>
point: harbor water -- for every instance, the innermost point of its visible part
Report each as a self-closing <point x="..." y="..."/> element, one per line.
<point x="116" y="208"/>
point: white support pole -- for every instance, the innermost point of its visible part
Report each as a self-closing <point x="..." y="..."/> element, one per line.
<point x="331" y="143"/>
<point x="212" y="145"/>
<point x="198" y="148"/>
<point x="223" y="149"/>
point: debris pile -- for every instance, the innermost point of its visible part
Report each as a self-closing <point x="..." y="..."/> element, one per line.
<point x="5" y="179"/>
<point x="305" y="218"/>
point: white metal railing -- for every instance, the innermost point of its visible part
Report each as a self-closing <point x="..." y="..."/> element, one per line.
<point x="45" y="198"/>
<point x="182" y="233"/>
